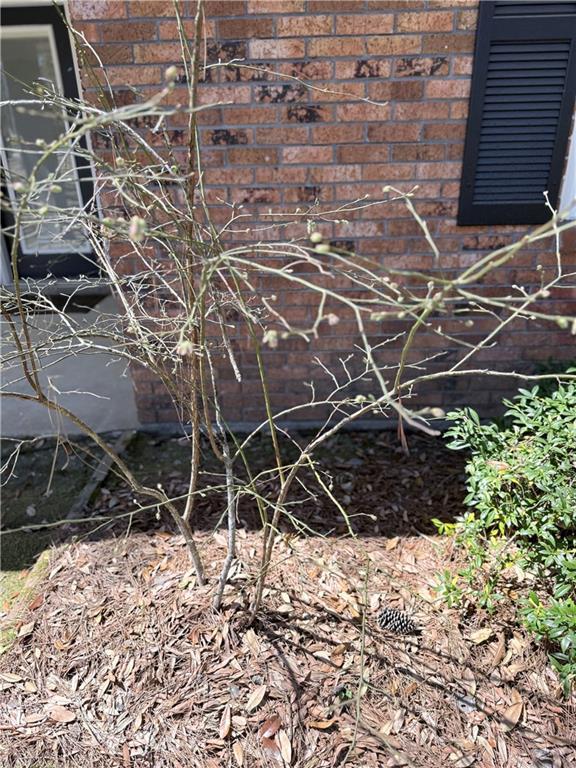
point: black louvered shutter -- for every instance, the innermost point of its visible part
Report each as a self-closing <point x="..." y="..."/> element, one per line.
<point x="521" y="106"/>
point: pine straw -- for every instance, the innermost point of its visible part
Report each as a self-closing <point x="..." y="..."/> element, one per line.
<point x="125" y="647"/>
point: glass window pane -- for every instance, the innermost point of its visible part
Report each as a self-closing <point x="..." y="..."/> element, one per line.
<point x="28" y="56"/>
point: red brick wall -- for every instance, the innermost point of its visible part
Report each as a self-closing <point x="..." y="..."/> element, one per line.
<point x="279" y="145"/>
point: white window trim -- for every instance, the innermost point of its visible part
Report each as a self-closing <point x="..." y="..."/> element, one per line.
<point x="6" y="278"/>
<point x="568" y="193"/>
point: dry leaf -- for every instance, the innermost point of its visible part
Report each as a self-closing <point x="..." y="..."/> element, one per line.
<point x="252" y="642"/>
<point x="256" y="698"/>
<point x="238" y="753"/>
<point x="271" y="750"/>
<point x="392" y="543"/>
<point x="468" y="681"/>
<point x="512" y="714"/>
<point x="398" y="720"/>
<point x="499" y="651"/>
<point x="321" y="725"/>
<point x="36" y="603"/>
<point x="239" y="722"/>
<point x="35" y="717"/>
<point x="26" y="629"/>
<point x="465" y="761"/>
<point x="270" y="727"/>
<point x="60" y="714"/>
<point x="509" y="673"/>
<point x="225" y="722"/>
<point x="481" y="635"/>
<point x="10" y="677"/>
<point x="285" y="747"/>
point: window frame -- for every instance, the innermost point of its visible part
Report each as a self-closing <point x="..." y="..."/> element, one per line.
<point x="58" y="266"/>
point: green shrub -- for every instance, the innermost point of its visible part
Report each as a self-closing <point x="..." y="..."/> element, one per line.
<point x="522" y="513"/>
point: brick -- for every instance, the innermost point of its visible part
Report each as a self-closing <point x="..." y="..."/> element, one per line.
<point x="255" y="195"/>
<point x="336" y="134"/>
<point x="459" y="110"/>
<point x="363" y="112"/>
<point x="363" y="24"/>
<point x="387" y="172"/>
<point x="425" y="152"/>
<point x="251" y="155"/>
<point x="455" y="152"/>
<point x="435" y="21"/>
<point x="150" y="8"/>
<point x="450" y="190"/>
<point x="293" y="134"/>
<point x="445" y="131"/>
<point x="329" y="6"/>
<point x="425" y="110"/>
<point x="226" y="137"/>
<point x="421" y="66"/>
<point x="168" y="30"/>
<point x="98" y="9"/>
<point x="466" y="19"/>
<point x="244" y="29"/>
<point x="222" y="176"/>
<point x="309" y="193"/>
<point x="110" y="54"/>
<point x="276" y="49"/>
<point x="303" y="113"/>
<point x="225" y="7"/>
<point x="403" y="90"/>
<point x="135" y="31"/>
<point x="307" y="154"/>
<point x="276" y="6"/>
<point x="447" y="89"/>
<point x="217" y="94"/>
<point x="337" y="46"/>
<point x="403" y="227"/>
<point x="392" y="133"/>
<point x="161" y="53"/>
<point x="395" y="5"/>
<point x="283" y="175"/>
<point x="439" y="170"/>
<point x="307" y="70"/>
<point x="336" y="173"/>
<point x="455" y="43"/>
<point x="346" y="70"/>
<point x="453" y="3"/>
<point x="334" y="92"/>
<point x="135" y="75"/>
<point x="354" y="153"/>
<point x="253" y="115"/>
<point x="393" y="45"/>
<point x="306" y="26"/>
<point x="462" y="65"/>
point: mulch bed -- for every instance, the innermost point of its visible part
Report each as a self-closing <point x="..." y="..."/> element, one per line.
<point x="121" y="661"/>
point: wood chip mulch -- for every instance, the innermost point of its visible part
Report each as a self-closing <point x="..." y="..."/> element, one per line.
<point x="121" y="662"/>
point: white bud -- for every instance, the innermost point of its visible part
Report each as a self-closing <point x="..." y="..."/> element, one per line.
<point x="137" y="229"/>
<point x="170" y="74"/>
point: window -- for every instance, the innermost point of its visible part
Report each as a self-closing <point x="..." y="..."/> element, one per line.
<point x="521" y="104"/>
<point x="36" y="49"/>
<point x="568" y="196"/>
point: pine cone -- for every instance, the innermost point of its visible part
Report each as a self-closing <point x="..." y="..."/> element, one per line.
<point x="398" y="622"/>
